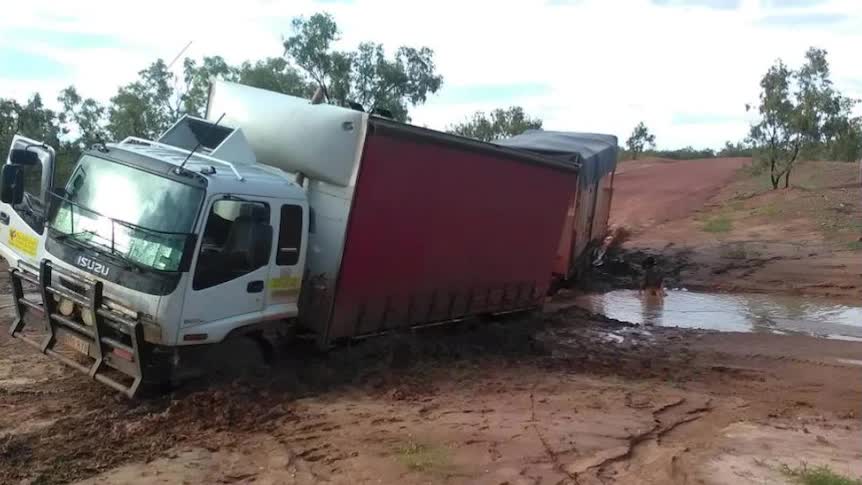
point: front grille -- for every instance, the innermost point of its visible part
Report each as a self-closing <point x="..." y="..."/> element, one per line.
<point x="79" y="289"/>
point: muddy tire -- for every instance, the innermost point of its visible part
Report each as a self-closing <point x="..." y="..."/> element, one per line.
<point x="158" y="374"/>
<point x="239" y="356"/>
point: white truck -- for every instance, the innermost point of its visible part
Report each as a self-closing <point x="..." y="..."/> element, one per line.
<point x="270" y="212"/>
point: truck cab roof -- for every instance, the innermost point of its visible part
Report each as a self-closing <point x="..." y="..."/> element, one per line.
<point x="216" y="175"/>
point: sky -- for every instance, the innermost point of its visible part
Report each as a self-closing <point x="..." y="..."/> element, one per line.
<point x="686" y="68"/>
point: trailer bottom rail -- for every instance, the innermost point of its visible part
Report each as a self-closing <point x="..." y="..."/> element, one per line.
<point x="107" y="346"/>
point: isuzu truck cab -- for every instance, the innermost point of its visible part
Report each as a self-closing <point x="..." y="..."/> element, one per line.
<point x="154" y="240"/>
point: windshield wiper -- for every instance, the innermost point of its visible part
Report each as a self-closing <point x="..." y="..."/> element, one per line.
<point x="67" y="235"/>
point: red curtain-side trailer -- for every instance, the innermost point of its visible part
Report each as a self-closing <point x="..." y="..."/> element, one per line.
<point x="443" y="227"/>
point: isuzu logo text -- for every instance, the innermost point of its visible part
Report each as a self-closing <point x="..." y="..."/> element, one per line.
<point x="93" y="266"/>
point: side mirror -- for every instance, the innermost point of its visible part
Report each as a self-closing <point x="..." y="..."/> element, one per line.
<point x="11" y="184"/>
<point x="24" y="157"/>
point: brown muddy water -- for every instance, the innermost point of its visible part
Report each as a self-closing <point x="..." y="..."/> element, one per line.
<point x="732" y="312"/>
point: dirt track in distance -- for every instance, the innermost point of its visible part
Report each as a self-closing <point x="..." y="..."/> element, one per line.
<point x="649" y="192"/>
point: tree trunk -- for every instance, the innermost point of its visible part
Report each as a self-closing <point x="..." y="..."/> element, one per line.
<point x="772" y="178"/>
<point x="787" y="178"/>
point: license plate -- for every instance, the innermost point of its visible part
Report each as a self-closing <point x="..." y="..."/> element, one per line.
<point x="76" y="343"/>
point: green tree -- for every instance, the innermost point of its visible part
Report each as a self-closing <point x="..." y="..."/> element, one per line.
<point x="83" y="119"/>
<point x="150" y="104"/>
<point x="640" y="139"/>
<point x="825" y="115"/>
<point x="365" y="76"/>
<point x="779" y="134"/>
<point x="158" y="97"/>
<point x="310" y="48"/>
<point x="146" y="107"/>
<point x="272" y="73"/>
<point x="738" y="149"/>
<point x="33" y="120"/>
<point x="500" y="123"/>
<point x="802" y="115"/>
<point x="197" y="80"/>
<point x="685" y="153"/>
<point x="847" y="144"/>
<point x="275" y="74"/>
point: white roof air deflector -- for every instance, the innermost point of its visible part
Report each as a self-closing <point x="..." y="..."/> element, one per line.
<point x="321" y="141"/>
<point x="217" y="141"/>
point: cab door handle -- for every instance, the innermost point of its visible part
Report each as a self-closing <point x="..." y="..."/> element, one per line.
<point x="254" y="286"/>
<point x="4" y="218"/>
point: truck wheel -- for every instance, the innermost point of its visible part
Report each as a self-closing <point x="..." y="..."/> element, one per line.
<point x="267" y="351"/>
<point x="238" y="355"/>
<point x="158" y="374"/>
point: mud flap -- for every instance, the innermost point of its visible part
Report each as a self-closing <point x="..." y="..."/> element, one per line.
<point x="112" y="342"/>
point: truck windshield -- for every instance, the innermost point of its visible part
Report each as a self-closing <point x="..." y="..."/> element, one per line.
<point x="136" y="215"/>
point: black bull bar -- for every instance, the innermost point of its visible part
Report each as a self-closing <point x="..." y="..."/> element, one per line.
<point x="111" y="343"/>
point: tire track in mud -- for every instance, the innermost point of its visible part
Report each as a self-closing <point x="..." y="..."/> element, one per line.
<point x="604" y="463"/>
<point x="667" y="418"/>
<point x="558" y="465"/>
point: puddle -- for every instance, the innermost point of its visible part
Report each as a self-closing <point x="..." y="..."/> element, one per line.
<point x="732" y="312"/>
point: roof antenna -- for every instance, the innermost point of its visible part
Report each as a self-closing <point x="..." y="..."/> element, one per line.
<point x="179" y="54"/>
<point x="179" y="169"/>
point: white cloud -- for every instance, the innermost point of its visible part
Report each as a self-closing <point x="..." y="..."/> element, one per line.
<point x="606" y="65"/>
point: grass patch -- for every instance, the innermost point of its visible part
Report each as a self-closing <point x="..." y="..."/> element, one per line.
<point x="855" y="245"/>
<point x="768" y="210"/>
<point x="718" y="224"/>
<point x="736" y="205"/>
<point x="424" y="458"/>
<point x="821" y="475"/>
<point x="739" y="251"/>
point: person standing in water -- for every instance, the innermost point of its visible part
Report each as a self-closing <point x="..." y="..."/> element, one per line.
<point x="653" y="280"/>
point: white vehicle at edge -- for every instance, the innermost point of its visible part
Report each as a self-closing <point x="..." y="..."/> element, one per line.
<point x="182" y="241"/>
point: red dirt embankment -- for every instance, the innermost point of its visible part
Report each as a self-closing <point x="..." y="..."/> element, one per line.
<point x="729" y="231"/>
<point x="652" y="191"/>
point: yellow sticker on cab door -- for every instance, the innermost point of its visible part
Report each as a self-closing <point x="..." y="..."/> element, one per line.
<point x="284" y="283"/>
<point x="23" y="242"/>
<point x="285" y="286"/>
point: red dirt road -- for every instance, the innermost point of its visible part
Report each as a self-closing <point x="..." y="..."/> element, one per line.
<point x="648" y="192"/>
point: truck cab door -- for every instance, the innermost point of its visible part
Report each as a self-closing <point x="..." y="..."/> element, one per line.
<point x="29" y="173"/>
<point x="230" y="269"/>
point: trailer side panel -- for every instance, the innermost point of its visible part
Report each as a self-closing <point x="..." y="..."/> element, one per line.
<point x="438" y="232"/>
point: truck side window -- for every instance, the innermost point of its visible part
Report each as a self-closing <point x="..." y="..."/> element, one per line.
<point x="289" y="235"/>
<point x="32" y="207"/>
<point x="236" y="241"/>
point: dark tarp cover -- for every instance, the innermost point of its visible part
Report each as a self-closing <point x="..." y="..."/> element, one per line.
<point x="596" y="153"/>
